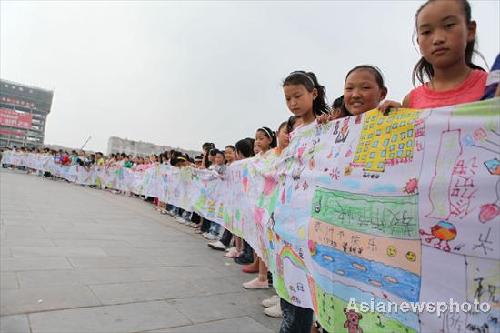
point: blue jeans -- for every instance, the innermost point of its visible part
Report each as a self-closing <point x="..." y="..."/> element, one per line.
<point x="187" y="215"/>
<point x="214" y="229"/>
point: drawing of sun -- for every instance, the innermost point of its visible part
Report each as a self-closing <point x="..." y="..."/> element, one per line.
<point x="391" y="251"/>
<point x="411" y="186"/>
<point x="410" y="255"/>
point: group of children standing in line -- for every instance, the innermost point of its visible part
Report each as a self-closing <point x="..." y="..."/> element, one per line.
<point x="446" y="35"/>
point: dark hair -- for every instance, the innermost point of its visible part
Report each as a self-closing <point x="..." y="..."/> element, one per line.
<point x="178" y="158"/>
<point x="208" y="145"/>
<point x="213" y="152"/>
<point x="245" y="147"/>
<point x="377" y="74"/>
<point x="423" y="68"/>
<point x="283" y="125"/>
<point x="309" y="81"/>
<point x="174" y="155"/>
<point x="290" y="124"/>
<point x="269" y="133"/>
<point x="174" y="161"/>
<point x="206" y="161"/>
<point x="338" y="102"/>
<point x="231" y="147"/>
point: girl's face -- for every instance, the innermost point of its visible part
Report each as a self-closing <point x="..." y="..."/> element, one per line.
<point x="219" y="159"/>
<point x="262" y="141"/>
<point x="229" y="153"/>
<point x="361" y="92"/>
<point x="283" y="137"/>
<point x="442" y="33"/>
<point x="299" y="100"/>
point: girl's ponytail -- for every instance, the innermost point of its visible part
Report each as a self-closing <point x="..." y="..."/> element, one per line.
<point x="320" y="106"/>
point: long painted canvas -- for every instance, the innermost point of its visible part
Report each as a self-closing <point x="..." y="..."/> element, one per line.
<point x="378" y="210"/>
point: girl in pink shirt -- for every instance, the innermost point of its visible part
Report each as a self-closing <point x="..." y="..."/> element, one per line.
<point x="446" y="36"/>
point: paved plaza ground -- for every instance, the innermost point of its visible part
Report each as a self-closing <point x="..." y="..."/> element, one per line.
<point x="77" y="259"/>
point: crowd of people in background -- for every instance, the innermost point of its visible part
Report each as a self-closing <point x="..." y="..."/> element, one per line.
<point x="446" y="36"/>
<point x="86" y="159"/>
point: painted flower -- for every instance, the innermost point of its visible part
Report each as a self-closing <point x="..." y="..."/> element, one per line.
<point x="411" y="186"/>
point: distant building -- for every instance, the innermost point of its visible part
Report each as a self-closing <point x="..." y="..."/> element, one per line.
<point x="23" y="114"/>
<point x="68" y="149"/>
<point x="139" y="148"/>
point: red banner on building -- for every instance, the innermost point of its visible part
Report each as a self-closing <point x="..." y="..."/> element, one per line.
<point x="7" y="132"/>
<point x="15" y="119"/>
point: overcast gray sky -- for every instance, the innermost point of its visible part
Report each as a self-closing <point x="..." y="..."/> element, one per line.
<point x="182" y="73"/>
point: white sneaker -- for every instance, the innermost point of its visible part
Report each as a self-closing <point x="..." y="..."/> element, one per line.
<point x="217" y="245"/>
<point x="206" y="235"/>
<point x="274" y="311"/>
<point x="179" y="219"/>
<point x="211" y="237"/>
<point x="271" y="301"/>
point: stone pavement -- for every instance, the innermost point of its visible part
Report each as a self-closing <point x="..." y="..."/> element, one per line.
<point x="77" y="259"/>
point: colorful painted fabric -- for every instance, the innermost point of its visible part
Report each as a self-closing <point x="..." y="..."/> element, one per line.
<point x="358" y="215"/>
